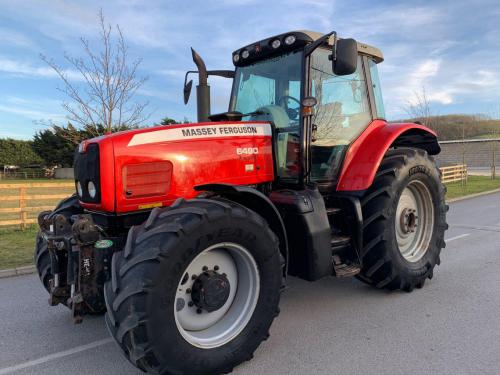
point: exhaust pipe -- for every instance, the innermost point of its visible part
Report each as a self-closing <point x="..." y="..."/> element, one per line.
<point x="203" y="89"/>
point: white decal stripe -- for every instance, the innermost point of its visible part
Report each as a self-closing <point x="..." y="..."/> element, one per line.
<point x="201" y="132"/>
<point x="52" y="357"/>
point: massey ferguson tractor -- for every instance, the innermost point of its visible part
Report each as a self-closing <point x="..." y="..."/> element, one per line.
<point x="184" y="235"/>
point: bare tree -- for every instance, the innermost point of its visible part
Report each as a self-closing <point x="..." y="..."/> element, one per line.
<point x="103" y="102"/>
<point x="419" y="109"/>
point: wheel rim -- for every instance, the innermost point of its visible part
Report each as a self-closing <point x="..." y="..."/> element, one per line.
<point x="414" y="221"/>
<point x="217" y="295"/>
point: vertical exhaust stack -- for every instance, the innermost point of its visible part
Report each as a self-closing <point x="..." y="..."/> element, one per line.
<point x="203" y="89"/>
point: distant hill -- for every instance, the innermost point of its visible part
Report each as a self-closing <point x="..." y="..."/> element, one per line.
<point x="453" y="127"/>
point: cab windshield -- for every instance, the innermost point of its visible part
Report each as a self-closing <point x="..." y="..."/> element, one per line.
<point x="269" y="90"/>
<point x="271" y="85"/>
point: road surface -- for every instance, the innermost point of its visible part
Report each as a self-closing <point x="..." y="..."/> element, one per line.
<point x="333" y="326"/>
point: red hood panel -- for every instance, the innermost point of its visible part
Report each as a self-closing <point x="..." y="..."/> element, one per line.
<point x="237" y="153"/>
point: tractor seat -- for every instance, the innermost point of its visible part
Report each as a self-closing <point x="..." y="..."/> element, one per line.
<point x="272" y="113"/>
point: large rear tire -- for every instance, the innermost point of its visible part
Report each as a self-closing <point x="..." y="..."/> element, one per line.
<point x="196" y="288"/>
<point x="404" y="215"/>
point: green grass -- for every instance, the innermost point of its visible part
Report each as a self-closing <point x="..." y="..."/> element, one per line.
<point x="17" y="247"/>
<point x="475" y="184"/>
<point x="487" y="136"/>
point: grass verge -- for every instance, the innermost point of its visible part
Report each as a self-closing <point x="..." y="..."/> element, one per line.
<point x="17" y="247"/>
<point x="475" y="184"/>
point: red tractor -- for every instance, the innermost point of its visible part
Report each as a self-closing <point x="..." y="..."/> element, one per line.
<point x="185" y="234"/>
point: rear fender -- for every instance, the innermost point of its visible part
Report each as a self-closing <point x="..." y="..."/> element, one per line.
<point x="367" y="151"/>
<point x="255" y="201"/>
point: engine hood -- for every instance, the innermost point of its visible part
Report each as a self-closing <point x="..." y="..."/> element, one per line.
<point x="152" y="167"/>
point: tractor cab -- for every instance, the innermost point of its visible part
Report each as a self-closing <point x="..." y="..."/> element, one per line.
<point x="275" y="76"/>
<point x="320" y="92"/>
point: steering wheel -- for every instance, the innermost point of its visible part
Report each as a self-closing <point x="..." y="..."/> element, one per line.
<point x="292" y="112"/>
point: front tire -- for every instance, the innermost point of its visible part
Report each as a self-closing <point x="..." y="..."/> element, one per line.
<point x="404" y="215"/>
<point x="199" y="245"/>
<point x="42" y="261"/>
<point x="67" y="207"/>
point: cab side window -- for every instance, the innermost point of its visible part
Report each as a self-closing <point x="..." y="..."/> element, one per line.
<point x="341" y="114"/>
<point x="377" y="91"/>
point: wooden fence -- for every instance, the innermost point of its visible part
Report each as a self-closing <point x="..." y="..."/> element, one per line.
<point x="30" y="203"/>
<point x="454" y="173"/>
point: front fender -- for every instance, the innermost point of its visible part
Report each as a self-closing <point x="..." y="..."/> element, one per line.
<point x="367" y="151"/>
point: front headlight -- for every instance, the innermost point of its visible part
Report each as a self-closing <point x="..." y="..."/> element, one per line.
<point x="79" y="189"/>
<point x="91" y="189"/>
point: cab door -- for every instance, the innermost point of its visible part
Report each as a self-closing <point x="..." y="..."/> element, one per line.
<point x="342" y="113"/>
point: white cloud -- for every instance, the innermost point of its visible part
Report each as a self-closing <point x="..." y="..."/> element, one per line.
<point x="12" y="37"/>
<point x="423" y="71"/>
<point x="23" y="68"/>
<point x="29" y="113"/>
<point x="177" y="74"/>
<point x="442" y="97"/>
<point x="33" y="109"/>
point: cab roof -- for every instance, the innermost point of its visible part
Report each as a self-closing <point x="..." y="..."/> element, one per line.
<point x="362" y="47"/>
<point x="264" y="48"/>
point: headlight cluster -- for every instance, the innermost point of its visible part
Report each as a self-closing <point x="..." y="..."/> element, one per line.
<point x="79" y="189"/>
<point x="264" y="47"/>
<point x="87" y="173"/>
<point x="91" y="189"/>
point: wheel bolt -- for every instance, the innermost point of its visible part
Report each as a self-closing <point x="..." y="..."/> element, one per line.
<point x="205" y="268"/>
<point x="216" y="268"/>
<point x="198" y="311"/>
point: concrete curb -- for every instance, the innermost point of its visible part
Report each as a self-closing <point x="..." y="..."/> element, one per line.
<point x="26" y="270"/>
<point x="472" y="196"/>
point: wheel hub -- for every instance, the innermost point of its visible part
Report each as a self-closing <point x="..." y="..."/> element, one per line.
<point x="210" y="291"/>
<point x="408" y="220"/>
<point x="414" y="221"/>
<point x="216" y="295"/>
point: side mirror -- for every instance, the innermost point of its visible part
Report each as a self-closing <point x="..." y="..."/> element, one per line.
<point x="346" y="57"/>
<point x="187" y="91"/>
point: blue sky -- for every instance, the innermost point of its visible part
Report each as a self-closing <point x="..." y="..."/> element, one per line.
<point x="452" y="48"/>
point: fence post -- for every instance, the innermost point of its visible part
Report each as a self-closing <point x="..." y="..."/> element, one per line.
<point x="22" y="206"/>
<point x="494" y="160"/>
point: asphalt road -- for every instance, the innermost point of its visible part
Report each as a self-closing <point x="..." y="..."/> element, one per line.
<point x="451" y="326"/>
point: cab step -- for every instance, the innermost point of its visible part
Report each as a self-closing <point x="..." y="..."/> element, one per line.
<point x="331" y="211"/>
<point x="339" y="242"/>
<point x="344" y="269"/>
